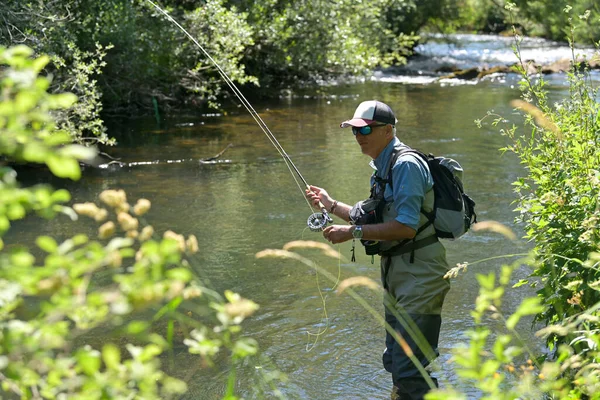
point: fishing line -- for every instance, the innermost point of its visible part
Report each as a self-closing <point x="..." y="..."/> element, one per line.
<point x="324" y="314"/>
<point x="315" y="222"/>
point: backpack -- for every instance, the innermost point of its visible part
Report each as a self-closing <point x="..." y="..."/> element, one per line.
<point x="453" y="210"/>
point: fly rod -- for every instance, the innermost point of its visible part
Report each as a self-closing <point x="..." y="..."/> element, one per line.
<point x="316" y="222"/>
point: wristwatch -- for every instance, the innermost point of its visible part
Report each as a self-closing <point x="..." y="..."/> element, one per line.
<point x="357" y="233"/>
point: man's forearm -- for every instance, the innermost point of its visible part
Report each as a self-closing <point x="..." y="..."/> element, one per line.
<point x="341" y="210"/>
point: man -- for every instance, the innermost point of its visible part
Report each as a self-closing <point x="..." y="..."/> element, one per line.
<point x="413" y="261"/>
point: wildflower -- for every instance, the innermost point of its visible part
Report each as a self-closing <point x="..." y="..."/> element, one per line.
<point x="106" y="230"/>
<point x="87" y="209"/>
<point x="178" y="238"/>
<point x="101" y="215"/>
<point x="238" y="308"/>
<point x="191" y="292"/>
<point x="123" y="207"/>
<point x="141" y="207"/>
<point x="192" y="244"/>
<point x="175" y="289"/>
<point x="453" y="272"/>
<point x="357" y="281"/>
<point x="146" y="234"/>
<point x="113" y="198"/>
<point x="308" y="244"/>
<point x="494" y="226"/>
<point x="114" y="259"/>
<point x="127" y="222"/>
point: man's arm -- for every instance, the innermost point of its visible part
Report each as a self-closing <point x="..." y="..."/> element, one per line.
<point x="391" y="230"/>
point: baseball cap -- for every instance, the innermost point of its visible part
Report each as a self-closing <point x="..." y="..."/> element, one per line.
<point x="371" y="111"/>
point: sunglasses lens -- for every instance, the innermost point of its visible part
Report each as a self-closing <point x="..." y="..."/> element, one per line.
<point x="365" y="130"/>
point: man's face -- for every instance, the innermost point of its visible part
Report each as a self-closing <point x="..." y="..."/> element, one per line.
<point x="373" y="138"/>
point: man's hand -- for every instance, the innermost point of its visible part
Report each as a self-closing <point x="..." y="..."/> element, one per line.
<point x="316" y="195"/>
<point x="338" y="233"/>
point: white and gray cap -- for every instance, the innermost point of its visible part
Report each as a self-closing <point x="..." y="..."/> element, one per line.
<point x="371" y="111"/>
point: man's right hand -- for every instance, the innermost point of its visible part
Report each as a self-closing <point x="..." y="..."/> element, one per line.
<point x="318" y="195"/>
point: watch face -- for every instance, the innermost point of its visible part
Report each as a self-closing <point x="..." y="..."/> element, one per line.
<point x="357" y="233"/>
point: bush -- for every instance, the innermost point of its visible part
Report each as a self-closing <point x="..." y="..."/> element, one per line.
<point x="558" y="204"/>
<point x="128" y="283"/>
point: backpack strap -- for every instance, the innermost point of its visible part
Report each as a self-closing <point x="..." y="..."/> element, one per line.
<point x="409" y="245"/>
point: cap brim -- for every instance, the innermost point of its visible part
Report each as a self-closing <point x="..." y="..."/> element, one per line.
<point x="356" y="122"/>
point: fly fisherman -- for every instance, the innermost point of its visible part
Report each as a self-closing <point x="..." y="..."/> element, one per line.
<point x="413" y="261"/>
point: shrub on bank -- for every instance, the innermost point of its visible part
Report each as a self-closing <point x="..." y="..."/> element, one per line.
<point x="558" y="205"/>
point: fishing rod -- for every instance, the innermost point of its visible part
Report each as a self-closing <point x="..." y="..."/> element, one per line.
<point x="316" y="222"/>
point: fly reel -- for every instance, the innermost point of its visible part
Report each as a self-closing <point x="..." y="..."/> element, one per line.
<point x="318" y="221"/>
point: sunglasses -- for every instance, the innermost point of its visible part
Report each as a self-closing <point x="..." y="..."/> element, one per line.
<point x="365" y="130"/>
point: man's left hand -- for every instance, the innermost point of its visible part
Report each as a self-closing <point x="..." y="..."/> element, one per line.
<point x="338" y="233"/>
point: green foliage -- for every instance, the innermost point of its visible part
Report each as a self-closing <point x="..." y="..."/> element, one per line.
<point x="558" y="204"/>
<point x="309" y="41"/>
<point x="554" y="18"/>
<point x="558" y="199"/>
<point x="129" y="56"/>
<point x="74" y="70"/>
<point x="84" y="317"/>
<point x="501" y="366"/>
<point x="225" y="35"/>
<point x="82" y="120"/>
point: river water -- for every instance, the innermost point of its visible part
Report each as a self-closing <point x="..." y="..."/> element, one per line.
<point x="247" y="201"/>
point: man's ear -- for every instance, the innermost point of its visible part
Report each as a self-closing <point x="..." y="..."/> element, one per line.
<point x="389" y="131"/>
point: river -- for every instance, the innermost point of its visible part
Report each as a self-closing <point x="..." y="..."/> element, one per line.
<point x="247" y="201"/>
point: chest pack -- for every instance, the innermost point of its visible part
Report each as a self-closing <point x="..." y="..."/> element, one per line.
<point x="453" y="210"/>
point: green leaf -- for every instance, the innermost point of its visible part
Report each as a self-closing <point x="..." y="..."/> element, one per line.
<point x="47" y="244"/>
<point x="521" y="283"/>
<point x="25" y="101"/>
<point x="35" y="152"/>
<point x="89" y="361"/>
<point x="488" y="368"/>
<point x="64" y="167"/>
<point x="39" y="63"/>
<point x="57" y="138"/>
<point x="62" y="100"/>
<point x="529" y="306"/>
<point x="4" y="224"/>
<point x="80" y="239"/>
<point x="15" y="211"/>
<point x="60" y="196"/>
<point x="245" y="347"/>
<point x="18" y="51"/>
<point x="150" y="352"/>
<point x="111" y="356"/>
<point x="22" y="259"/>
<point x="137" y="327"/>
<point x="78" y="151"/>
<point x="180" y="274"/>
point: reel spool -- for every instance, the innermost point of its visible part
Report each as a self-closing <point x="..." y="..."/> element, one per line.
<point x="318" y="221"/>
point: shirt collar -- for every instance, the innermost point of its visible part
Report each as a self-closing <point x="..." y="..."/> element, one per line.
<point x="383" y="158"/>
